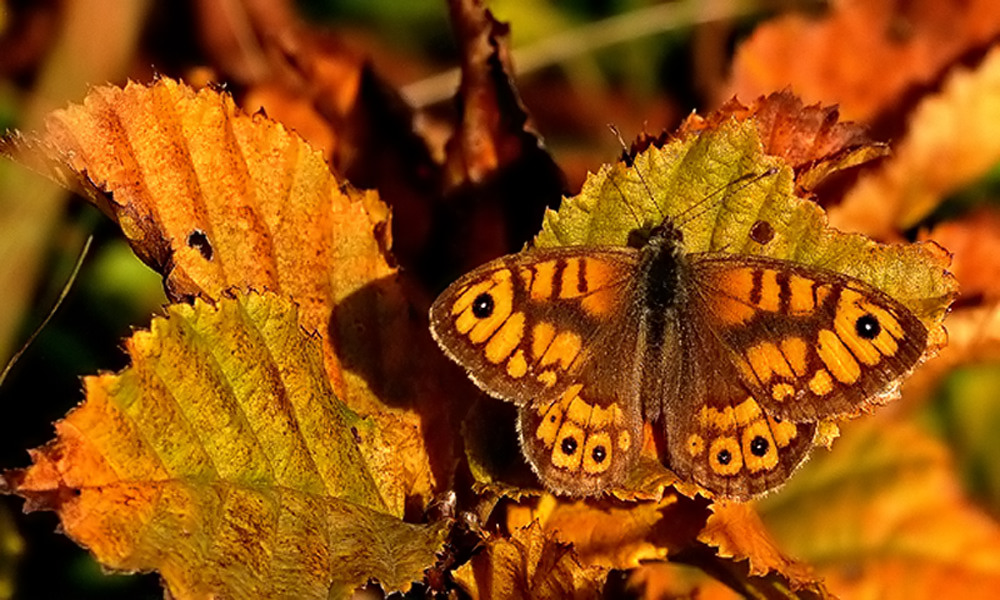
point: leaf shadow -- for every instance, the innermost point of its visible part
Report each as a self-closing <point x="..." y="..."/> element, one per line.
<point x="380" y="337"/>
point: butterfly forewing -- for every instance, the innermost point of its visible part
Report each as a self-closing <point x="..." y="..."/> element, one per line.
<point x="523" y="324"/>
<point x="810" y="343"/>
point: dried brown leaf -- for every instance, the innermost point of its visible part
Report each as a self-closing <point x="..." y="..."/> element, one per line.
<point x="863" y="54"/>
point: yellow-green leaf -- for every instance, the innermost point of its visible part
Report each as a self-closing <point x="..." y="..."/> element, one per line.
<point x="967" y="413"/>
<point x="718" y="187"/>
<point x="222" y="459"/>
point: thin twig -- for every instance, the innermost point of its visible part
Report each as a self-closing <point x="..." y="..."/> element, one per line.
<point x="52" y="312"/>
<point x="588" y="38"/>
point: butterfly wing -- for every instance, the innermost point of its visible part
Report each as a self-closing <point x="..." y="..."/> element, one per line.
<point x="809" y="343"/>
<point x="548" y="330"/>
<point x="719" y="436"/>
<point x="585" y="440"/>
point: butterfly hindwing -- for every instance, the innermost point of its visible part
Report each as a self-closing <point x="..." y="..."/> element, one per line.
<point x="810" y="343"/>
<point x="718" y="434"/>
<point x="581" y="443"/>
<point x="729" y="444"/>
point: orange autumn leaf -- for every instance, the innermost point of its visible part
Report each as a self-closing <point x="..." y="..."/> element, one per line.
<point x="664" y="580"/>
<point x="606" y="535"/>
<point x="222" y="459"/>
<point x="974" y="241"/>
<point x="216" y="199"/>
<point x="885" y="517"/>
<point x="862" y="54"/>
<point x="615" y="534"/>
<point x="737" y="531"/>
<point x="526" y="565"/>
<point x="728" y="544"/>
<point x="810" y="139"/>
<point x="953" y="138"/>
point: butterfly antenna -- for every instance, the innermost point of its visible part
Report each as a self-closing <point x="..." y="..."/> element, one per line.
<point x="746" y="180"/>
<point x="630" y="161"/>
<point x="621" y="192"/>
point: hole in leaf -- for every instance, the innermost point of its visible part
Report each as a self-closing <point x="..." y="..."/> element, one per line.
<point x="199" y="241"/>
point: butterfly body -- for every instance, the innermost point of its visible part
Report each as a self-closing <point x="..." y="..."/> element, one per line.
<point x="734" y="357"/>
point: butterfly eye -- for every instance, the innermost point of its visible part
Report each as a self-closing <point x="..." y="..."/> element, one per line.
<point x="867" y="326"/>
<point x="568" y="445"/>
<point x="599" y="454"/>
<point x="759" y="446"/>
<point x="724" y="457"/>
<point x="482" y="306"/>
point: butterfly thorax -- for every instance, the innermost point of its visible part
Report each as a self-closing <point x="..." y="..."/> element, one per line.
<point x="661" y="265"/>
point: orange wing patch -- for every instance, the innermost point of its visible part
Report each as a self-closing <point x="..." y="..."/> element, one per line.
<point x="837" y="358"/>
<point x="506" y="339"/>
<point x="767" y="360"/>
<point x="484" y="307"/>
<point x="592" y="281"/>
<point x="767" y="292"/>
<point x="563" y="350"/>
<point x="578" y="434"/>
<point x="542" y="284"/>
<point x="801" y="299"/>
<point x="739" y="437"/>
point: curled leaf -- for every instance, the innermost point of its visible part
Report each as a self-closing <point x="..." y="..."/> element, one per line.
<point x="810" y="139"/>
<point x="737" y="532"/>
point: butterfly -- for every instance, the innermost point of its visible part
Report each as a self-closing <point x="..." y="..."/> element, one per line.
<point x="735" y="357"/>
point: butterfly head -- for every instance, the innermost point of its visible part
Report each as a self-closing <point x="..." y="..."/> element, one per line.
<point x="662" y="233"/>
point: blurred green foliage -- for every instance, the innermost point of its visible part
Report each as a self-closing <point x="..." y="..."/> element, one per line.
<point x="966" y="414"/>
